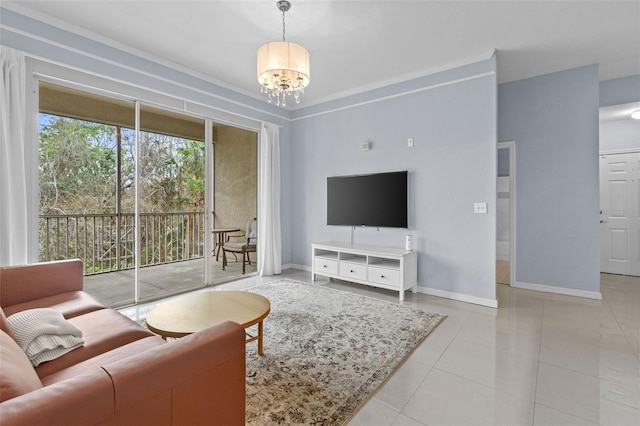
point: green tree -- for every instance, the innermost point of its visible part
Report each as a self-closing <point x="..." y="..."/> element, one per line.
<point x="77" y="166"/>
<point x="171" y="173"/>
<point x="191" y="157"/>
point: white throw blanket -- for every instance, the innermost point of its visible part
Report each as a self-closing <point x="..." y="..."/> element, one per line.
<point x="44" y="334"/>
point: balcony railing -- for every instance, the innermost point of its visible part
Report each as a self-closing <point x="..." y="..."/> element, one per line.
<point x="105" y="242"/>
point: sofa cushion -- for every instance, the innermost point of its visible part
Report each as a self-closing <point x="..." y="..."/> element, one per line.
<point x="22" y="283"/>
<point x="102" y="331"/>
<point x="98" y="361"/>
<point x="5" y="326"/>
<point x="70" y="304"/>
<point x="17" y="376"/>
<point x="44" y="334"/>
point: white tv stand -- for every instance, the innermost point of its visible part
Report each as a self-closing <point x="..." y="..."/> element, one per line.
<point x="384" y="267"/>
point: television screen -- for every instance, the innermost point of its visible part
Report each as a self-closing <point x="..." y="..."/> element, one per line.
<point x="378" y="200"/>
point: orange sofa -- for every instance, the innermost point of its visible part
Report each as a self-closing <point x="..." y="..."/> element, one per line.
<point x="123" y="373"/>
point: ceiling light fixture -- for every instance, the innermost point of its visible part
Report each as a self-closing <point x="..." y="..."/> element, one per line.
<point x="283" y="67"/>
<point x="636" y="114"/>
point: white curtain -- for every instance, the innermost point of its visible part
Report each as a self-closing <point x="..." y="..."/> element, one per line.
<point x="13" y="167"/>
<point x="269" y="240"/>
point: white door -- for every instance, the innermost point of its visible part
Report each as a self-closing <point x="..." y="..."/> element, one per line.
<point x="619" y="220"/>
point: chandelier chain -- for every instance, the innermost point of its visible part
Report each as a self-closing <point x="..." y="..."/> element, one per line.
<point x="283" y="24"/>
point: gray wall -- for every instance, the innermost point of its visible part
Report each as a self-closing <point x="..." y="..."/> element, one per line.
<point x="554" y="120"/>
<point x="620" y="91"/>
<point x="452" y="165"/>
<point x="286" y="195"/>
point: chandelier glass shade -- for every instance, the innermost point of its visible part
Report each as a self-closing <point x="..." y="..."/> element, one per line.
<point x="283" y="67"/>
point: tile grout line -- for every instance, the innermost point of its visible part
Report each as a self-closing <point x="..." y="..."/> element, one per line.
<point x="576" y="371"/>
<point x="433" y="366"/>
<point x="626" y="337"/>
<point x="535" y="392"/>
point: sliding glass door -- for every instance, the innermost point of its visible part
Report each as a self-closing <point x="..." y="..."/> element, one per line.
<point x="95" y="176"/>
<point x="171" y="203"/>
<point x="125" y="187"/>
<point x="84" y="161"/>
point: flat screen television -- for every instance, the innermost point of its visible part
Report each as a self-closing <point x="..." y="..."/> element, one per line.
<point x="378" y="200"/>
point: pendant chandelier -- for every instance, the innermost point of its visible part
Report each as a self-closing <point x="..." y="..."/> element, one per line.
<point x="283" y="67"/>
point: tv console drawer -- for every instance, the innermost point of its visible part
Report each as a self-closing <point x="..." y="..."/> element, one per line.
<point x="352" y="270"/>
<point x="384" y="276"/>
<point x="325" y="265"/>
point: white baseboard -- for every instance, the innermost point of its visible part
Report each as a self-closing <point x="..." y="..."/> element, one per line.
<point x="482" y="301"/>
<point x="433" y="292"/>
<point x="296" y="266"/>
<point x="558" y="290"/>
<point x="426" y="290"/>
<point x="459" y="297"/>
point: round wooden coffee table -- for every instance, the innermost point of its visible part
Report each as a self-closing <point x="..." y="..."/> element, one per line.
<point x="194" y="312"/>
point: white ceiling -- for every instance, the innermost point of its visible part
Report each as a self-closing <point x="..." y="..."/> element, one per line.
<point x="358" y="45"/>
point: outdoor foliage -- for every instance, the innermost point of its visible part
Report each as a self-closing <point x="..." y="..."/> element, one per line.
<point x="78" y="185"/>
<point x="78" y="164"/>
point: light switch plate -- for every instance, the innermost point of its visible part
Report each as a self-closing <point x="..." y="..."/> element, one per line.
<point x="480" y="208"/>
<point x="410" y="142"/>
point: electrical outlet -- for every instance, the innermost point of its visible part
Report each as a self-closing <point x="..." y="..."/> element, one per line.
<point x="410" y="142"/>
<point x="480" y="208"/>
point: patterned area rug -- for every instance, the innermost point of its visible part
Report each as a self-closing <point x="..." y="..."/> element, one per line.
<point x="325" y="352"/>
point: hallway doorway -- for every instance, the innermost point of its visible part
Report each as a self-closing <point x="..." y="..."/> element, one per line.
<point x="505" y="214"/>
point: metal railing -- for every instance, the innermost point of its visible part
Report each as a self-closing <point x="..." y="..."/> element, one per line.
<point x="106" y="242"/>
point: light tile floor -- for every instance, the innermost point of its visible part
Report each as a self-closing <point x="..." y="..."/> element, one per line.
<point x="539" y="359"/>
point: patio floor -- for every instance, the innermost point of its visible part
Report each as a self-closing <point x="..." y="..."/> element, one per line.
<point x="115" y="289"/>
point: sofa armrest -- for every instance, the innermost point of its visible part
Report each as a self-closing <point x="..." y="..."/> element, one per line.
<point x="23" y="283"/>
<point x="81" y="400"/>
<point x="198" y="379"/>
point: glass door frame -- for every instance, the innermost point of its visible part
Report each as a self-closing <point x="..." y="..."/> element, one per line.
<point x="209" y="188"/>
